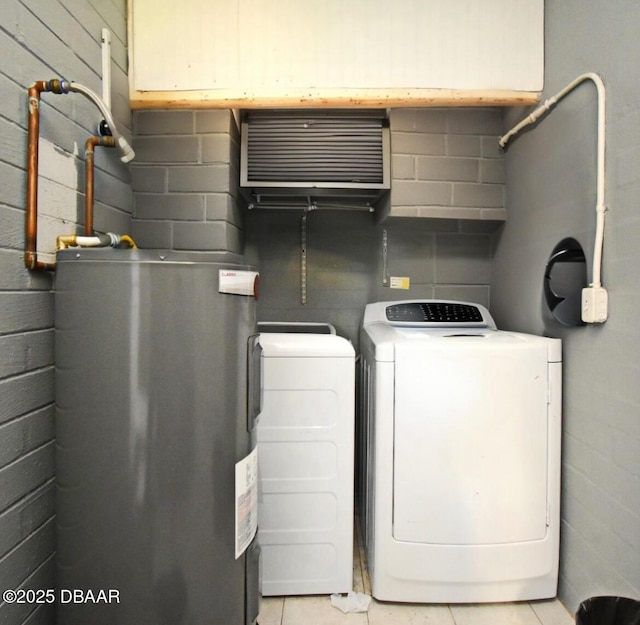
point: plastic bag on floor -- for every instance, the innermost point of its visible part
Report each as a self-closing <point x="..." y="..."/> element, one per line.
<point x="608" y="611"/>
<point x="352" y="602"/>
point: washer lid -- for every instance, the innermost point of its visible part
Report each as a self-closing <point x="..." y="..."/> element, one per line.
<point x="294" y="345"/>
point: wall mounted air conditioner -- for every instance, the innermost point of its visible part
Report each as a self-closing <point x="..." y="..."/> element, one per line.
<point x="314" y="158"/>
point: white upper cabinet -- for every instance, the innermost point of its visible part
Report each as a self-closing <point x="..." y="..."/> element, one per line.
<point x="248" y="53"/>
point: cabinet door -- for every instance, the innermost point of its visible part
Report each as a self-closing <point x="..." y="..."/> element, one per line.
<point x="286" y="50"/>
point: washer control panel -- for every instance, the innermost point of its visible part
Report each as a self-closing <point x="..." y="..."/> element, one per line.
<point x="429" y="313"/>
<point x="433" y="312"/>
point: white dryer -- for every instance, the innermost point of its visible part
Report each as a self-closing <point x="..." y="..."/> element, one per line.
<point x="461" y="427"/>
<point x="306" y="460"/>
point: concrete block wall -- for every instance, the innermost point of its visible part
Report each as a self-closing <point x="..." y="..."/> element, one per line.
<point x="185" y="181"/>
<point x="345" y="267"/>
<point x="446" y="163"/>
<point x="551" y="172"/>
<point x="446" y="169"/>
<point x="38" y="41"/>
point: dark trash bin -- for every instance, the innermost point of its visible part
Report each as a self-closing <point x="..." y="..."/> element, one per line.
<point x="608" y="611"/>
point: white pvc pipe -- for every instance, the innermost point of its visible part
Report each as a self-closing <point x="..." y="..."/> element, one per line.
<point x="600" y="182"/>
<point x="123" y="144"/>
<point x="106" y="67"/>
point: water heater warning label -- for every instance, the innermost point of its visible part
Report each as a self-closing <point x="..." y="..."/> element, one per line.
<point x="239" y="282"/>
<point x="246" y="501"/>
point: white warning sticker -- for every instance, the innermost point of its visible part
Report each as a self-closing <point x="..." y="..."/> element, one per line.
<point x="246" y="501"/>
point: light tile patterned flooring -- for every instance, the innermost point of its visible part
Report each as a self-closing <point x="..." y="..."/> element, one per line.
<point x="317" y="610"/>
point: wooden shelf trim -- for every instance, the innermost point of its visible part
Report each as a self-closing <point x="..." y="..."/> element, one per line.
<point x="342" y="98"/>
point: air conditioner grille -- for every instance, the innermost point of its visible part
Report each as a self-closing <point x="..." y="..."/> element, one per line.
<point x="315" y="150"/>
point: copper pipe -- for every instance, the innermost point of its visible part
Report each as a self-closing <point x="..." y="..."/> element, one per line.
<point x="31" y="218"/>
<point x="89" y="148"/>
<point x="31" y="237"/>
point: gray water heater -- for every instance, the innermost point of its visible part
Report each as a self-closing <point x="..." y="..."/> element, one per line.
<point x="156" y="401"/>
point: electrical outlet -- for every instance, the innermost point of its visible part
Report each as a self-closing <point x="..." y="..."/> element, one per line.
<point x="595" y="304"/>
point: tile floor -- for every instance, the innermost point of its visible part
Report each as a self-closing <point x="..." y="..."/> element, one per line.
<point x="317" y="610"/>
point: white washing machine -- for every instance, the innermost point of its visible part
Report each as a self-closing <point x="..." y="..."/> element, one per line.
<point x="306" y="461"/>
<point x="461" y="455"/>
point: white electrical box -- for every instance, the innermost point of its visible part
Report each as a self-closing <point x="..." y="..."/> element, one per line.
<point x="595" y="304"/>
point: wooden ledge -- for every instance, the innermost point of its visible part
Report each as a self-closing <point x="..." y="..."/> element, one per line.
<point x="335" y="98"/>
